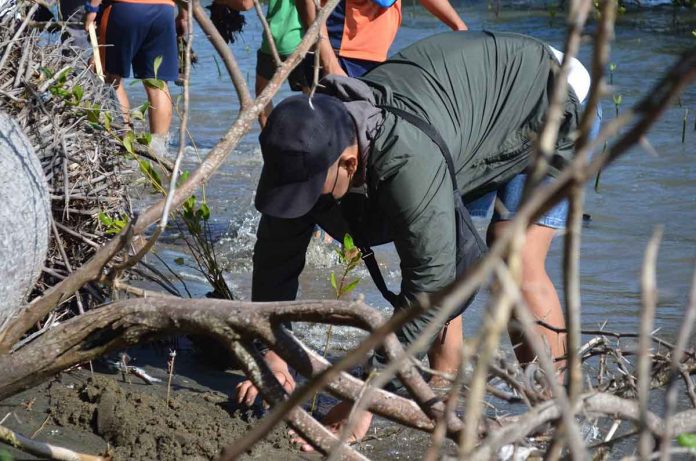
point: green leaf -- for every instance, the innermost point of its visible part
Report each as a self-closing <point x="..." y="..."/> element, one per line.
<point x="612" y="67"/>
<point x="617" y="99"/>
<point x="687" y="441"/>
<point x="78" y="92"/>
<point x="348" y="242"/>
<point x="105" y="219"/>
<point x="156" y="65"/>
<point x="204" y="211"/>
<point x="333" y="281"/>
<point x="155" y="83"/>
<point x="145" y="138"/>
<point x="63" y="77"/>
<point x="143" y="108"/>
<point x="351" y="286"/>
<point x="179" y="261"/>
<point x="150" y="173"/>
<point x="693" y="32"/>
<point x="107" y="121"/>
<point x="189" y="204"/>
<point x="5" y="455"/>
<point x="183" y="177"/>
<point x="127" y="142"/>
<point x="48" y="73"/>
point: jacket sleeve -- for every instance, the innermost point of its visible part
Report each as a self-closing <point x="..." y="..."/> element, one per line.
<point x="279" y="257"/>
<point x="419" y="202"/>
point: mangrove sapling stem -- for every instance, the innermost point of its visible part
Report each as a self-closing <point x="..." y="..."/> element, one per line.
<point x="617" y="103"/>
<point x="170" y="372"/>
<point x="686" y="119"/>
<point x="599" y="171"/>
<point x="350" y="256"/>
<point x="612" y="68"/>
<point x="649" y="304"/>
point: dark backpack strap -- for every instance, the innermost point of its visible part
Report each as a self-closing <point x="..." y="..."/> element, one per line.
<point x="367" y="254"/>
<point x="432" y="133"/>
<point x="373" y="267"/>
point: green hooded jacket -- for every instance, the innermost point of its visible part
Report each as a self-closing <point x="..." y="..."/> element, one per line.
<point x="487" y="94"/>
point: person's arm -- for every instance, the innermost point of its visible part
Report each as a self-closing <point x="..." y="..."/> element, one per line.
<point x="443" y="10"/>
<point x="91" y="16"/>
<point x="239" y="5"/>
<point x="279" y="257"/>
<point x="329" y="63"/>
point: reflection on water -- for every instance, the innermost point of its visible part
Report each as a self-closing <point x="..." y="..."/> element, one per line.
<point x="642" y="190"/>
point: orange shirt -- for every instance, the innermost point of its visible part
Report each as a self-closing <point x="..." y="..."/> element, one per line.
<point x="361" y="29"/>
<point x="149" y="2"/>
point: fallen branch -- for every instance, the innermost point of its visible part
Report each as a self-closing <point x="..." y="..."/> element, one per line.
<point x="43" y="450"/>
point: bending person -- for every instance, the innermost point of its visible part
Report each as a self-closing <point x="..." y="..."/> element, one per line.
<point x="363" y="159"/>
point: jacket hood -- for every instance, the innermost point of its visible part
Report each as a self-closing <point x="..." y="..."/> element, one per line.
<point x="360" y="103"/>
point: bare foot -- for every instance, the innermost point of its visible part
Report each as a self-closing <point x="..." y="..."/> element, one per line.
<point x="440" y="383"/>
<point x="336" y="419"/>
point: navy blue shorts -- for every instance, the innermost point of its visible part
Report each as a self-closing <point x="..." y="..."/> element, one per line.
<point x="356" y="67"/>
<point x="134" y="34"/>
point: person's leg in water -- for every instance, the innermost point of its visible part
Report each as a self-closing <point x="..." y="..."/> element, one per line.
<point x="537" y="288"/>
<point x="160" y="111"/>
<point x="445" y="354"/>
<point x="121" y="95"/>
<point x="538" y="292"/>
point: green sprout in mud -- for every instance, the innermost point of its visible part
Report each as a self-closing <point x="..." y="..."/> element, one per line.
<point x="612" y="68"/>
<point x="553" y="11"/>
<point x="113" y="226"/>
<point x="196" y="217"/>
<point x="617" y="102"/>
<point x="349" y="256"/>
<point x="687" y="441"/>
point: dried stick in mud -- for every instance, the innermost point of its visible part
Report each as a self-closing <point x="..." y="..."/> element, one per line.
<point x="43" y="450"/>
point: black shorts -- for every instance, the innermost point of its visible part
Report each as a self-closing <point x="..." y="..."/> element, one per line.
<point x="298" y="78"/>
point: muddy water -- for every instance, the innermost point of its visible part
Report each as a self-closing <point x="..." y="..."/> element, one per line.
<point x="646" y="188"/>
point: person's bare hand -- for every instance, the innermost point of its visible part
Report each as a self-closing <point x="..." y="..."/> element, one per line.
<point x="89" y="20"/>
<point x="246" y="392"/>
<point x="182" y="24"/>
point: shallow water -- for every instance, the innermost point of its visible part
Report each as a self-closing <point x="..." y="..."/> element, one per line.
<point x="642" y="190"/>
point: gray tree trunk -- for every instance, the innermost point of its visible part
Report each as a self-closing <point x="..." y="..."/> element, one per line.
<point x="24" y="218"/>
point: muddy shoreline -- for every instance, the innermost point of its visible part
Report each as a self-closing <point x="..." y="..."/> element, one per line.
<point x="99" y="413"/>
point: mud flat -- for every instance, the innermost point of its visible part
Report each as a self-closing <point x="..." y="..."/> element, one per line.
<point x="100" y="413"/>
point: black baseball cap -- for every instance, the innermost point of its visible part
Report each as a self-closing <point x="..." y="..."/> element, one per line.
<point x="300" y="142"/>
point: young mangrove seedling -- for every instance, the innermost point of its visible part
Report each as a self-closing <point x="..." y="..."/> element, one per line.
<point x="349" y="256"/>
<point x="612" y="68"/>
<point x="686" y="119"/>
<point x="617" y="103"/>
<point x="553" y="11"/>
<point x="170" y="371"/>
<point x="599" y="172"/>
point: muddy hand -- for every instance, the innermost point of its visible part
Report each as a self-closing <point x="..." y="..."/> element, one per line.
<point x="246" y="392"/>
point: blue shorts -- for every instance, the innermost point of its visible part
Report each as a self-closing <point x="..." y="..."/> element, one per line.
<point x="134" y="34"/>
<point x="510" y="195"/>
<point x="356" y="67"/>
